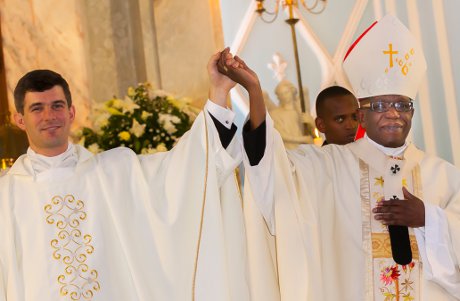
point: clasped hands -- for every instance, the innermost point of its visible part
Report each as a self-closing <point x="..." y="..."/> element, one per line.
<point x="237" y="70"/>
<point x="408" y="212"/>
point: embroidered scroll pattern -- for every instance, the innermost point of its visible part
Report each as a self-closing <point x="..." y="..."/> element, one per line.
<point x="72" y="248"/>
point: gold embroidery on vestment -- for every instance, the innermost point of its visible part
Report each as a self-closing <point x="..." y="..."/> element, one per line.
<point x="383" y="278"/>
<point x="72" y="248"/>
<point x="381" y="246"/>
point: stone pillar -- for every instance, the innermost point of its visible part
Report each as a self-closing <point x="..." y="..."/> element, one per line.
<point x="188" y="33"/>
<point x="45" y="34"/>
<point x="120" y="46"/>
<point x="102" y="47"/>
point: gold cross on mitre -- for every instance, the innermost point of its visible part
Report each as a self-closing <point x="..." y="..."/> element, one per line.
<point x="386" y="59"/>
<point x="390" y="52"/>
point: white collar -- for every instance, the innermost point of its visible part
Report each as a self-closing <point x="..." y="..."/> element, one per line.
<point x="42" y="163"/>
<point x="389" y="151"/>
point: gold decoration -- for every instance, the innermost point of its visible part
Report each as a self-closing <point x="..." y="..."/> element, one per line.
<point x="381" y="246"/>
<point x="72" y="248"/>
<point x="379" y="181"/>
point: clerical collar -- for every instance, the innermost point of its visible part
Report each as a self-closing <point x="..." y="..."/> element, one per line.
<point x="389" y="151"/>
<point x="42" y="163"/>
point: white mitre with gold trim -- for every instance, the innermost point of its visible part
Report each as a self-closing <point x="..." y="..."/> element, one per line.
<point x="386" y="59"/>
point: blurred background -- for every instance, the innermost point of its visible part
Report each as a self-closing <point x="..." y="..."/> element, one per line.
<point x="103" y="47"/>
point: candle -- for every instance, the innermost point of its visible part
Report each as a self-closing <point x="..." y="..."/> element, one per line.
<point x="317" y="140"/>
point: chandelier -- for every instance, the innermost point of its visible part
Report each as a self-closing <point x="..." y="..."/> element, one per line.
<point x="313" y="6"/>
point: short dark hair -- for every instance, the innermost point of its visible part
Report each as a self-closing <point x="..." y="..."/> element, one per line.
<point x="327" y="93"/>
<point x="39" y="81"/>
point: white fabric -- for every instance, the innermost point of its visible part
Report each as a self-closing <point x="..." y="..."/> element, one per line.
<point x="139" y="220"/>
<point x="224" y="115"/>
<point x="41" y="163"/>
<point x="315" y="209"/>
<point x="398" y="63"/>
<point x="389" y="151"/>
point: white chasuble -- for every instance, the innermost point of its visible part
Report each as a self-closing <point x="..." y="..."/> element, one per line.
<point x="312" y="236"/>
<point x="116" y="226"/>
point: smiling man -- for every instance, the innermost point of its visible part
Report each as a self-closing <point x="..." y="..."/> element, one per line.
<point x="45" y="115"/>
<point x="387" y="118"/>
<point x="116" y="226"/>
<point x="376" y="219"/>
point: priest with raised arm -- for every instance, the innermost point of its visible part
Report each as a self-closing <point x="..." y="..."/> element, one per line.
<point x="377" y="219"/>
<point x="116" y="226"/>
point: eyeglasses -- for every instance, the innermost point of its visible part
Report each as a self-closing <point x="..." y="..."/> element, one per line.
<point x="382" y="106"/>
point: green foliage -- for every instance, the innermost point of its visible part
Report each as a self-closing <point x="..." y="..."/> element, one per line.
<point x="147" y="121"/>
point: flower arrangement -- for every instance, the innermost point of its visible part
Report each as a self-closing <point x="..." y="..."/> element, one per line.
<point x="146" y="120"/>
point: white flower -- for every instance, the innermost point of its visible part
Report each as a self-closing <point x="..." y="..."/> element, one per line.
<point x="168" y="122"/>
<point x="129" y="105"/>
<point x="137" y="129"/>
<point x="94" y="148"/>
<point x="175" y="119"/>
<point x="170" y="127"/>
<point x="101" y="120"/>
<point x="126" y="125"/>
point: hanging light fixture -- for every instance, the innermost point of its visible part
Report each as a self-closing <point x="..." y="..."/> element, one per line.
<point x="315" y="7"/>
<point x="269" y="16"/>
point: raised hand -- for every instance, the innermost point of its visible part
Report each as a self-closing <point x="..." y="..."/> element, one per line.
<point x="220" y="83"/>
<point x="408" y="212"/>
<point x="237" y="70"/>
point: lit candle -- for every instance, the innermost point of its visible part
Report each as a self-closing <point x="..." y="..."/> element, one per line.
<point x="317" y="140"/>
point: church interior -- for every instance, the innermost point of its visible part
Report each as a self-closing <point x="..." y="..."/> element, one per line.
<point x="109" y="49"/>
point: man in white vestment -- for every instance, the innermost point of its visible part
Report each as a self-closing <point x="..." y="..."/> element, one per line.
<point x="336" y="115"/>
<point x="116" y="226"/>
<point x="317" y="219"/>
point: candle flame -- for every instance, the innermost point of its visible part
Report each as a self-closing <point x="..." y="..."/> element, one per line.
<point x="316" y="133"/>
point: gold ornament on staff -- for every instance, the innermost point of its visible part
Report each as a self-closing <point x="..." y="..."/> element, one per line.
<point x="316" y="7"/>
